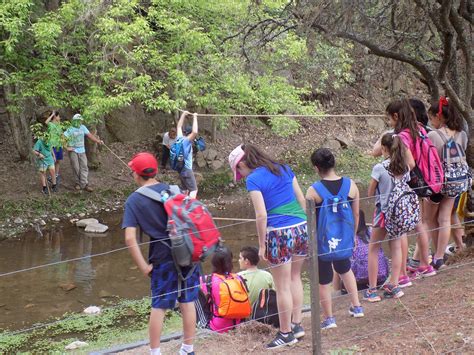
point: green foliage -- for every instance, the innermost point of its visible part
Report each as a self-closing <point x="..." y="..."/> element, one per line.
<point x="284" y="126"/>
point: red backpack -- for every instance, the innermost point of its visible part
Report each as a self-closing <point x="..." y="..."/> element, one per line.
<point x="427" y="177"/>
<point x="193" y="233"/>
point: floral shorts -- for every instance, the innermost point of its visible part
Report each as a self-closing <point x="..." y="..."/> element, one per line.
<point x="283" y="243"/>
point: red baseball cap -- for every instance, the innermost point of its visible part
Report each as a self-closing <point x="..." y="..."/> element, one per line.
<point x="144" y="164"/>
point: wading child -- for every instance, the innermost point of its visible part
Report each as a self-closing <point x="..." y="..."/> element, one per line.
<point x="44" y="160"/>
<point x="255" y="278"/>
<point x="77" y="152"/>
<point x="186" y="174"/>
<point x="281" y="227"/>
<point x="451" y="141"/>
<point x="381" y="186"/>
<point x="55" y="132"/>
<point x="225" y="293"/>
<point x="150" y="216"/>
<point x="337" y="217"/>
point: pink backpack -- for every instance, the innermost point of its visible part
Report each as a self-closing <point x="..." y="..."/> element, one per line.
<point x="427" y="177"/>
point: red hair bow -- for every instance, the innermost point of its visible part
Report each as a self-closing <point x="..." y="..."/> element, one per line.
<point x="442" y="102"/>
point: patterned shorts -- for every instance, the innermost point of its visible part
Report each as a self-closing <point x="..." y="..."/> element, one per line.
<point x="164" y="286"/>
<point x="283" y="243"/>
<point x="379" y="218"/>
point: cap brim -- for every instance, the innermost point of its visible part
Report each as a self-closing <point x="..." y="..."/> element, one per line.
<point x="234" y="159"/>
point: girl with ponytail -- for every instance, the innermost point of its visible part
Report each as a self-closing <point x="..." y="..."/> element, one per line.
<point x="381" y="185"/>
<point x="402" y="118"/>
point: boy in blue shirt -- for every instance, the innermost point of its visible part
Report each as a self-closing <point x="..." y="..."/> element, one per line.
<point x="77" y="151"/>
<point x="186" y="175"/>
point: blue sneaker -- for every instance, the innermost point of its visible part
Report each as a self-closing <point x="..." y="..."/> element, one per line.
<point x="356" y="312"/>
<point x="371" y="295"/>
<point x="329" y="322"/>
<point x="392" y="291"/>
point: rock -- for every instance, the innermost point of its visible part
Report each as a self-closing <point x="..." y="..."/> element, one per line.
<point x="67" y="287"/>
<point x="55" y="219"/>
<point x="82" y="215"/>
<point x="85" y="222"/>
<point x="133" y="267"/>
<point x="107" y="210"/>
<point x="18" y="220"/>
<point x="344" y="142"/>
<point x="76" y="345"/>
<point x="96" y="228"/>
<point x="211" y="154"/>
<point x="376" y="124"/>
<point x="200" y="160"/>
<point x="130" y="278"/>
<point x="74" y="220"/>
<point x="231" y="185"/>
<point x="217" y="164"/>
<point x="29" y="305"/>
<point x="68" y="215"/>
<point x="92" y="310"/>
<point x="199" y="177"/>
<point x="42" y="222"/>
<point x="332" y="144"/>
<point x="105" y="294"/>
<point x="2" y="305"/>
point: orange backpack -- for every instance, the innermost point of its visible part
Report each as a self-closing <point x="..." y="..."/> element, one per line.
<point x="233" y="294"/>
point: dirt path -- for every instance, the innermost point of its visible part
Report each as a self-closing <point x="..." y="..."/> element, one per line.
<point x="442" y="307"/>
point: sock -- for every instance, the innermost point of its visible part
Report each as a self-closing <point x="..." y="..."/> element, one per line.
<point x="155" y="351"/>
<point x="186" y="348"/>
<point x="284" y="335"/>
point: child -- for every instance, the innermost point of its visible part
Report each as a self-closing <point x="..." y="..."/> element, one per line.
<point x="186" y="175"/>
<point x="255" y="278"/>
<point x="403" y="119"/>
<point x="210" y="286"/>
<point x="77" y="151"/>
<point x="325" y="193"/>
<point x="56" y="135"/>
<point x="381" y="186"/>
<point x="168" y="139"/>
<point x="451" y="142"/>
<point x="45" y="160"/>
<point x="282" y="231"/>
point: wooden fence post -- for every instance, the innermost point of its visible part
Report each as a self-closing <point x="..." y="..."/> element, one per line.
<point x="314" y="277"/>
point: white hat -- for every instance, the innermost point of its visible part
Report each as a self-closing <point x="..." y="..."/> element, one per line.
<point x="234" y="159"/>
<point x="77" y="116"/>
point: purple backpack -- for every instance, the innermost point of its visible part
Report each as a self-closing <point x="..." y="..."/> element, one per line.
<point x="360" y="263"/>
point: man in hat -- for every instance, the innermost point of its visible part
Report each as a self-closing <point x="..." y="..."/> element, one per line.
<point x="77" y="151"/>
<point x="150" y="215"/>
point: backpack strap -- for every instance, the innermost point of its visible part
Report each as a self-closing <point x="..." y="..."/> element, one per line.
<point x="345" y="188"/>
<point x="158" y="196"/>
<point x="324" y="193"/>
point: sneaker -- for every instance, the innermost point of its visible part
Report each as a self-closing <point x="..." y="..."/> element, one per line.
<point x="77" y="187"/>
<point x="438" y="264"/>
<point x="58" y="179"/>
<point x="54" y="188"/>
<point x="392" y="291"/>
<point x="413" y="265"/>
<point x="371" y="295"/>
<point x="298" y="330"/>
<point x="404" y="281"/>
<point x="282" y="340"/>
<point x="356" y="312"/>
<point x="425" y="271"/>
<point x="45" y="190"/>
<point x="88" y="188"/>
<point x="328" y="323"/>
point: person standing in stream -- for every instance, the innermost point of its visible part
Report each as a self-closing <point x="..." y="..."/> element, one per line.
<point x="279" y="207"/>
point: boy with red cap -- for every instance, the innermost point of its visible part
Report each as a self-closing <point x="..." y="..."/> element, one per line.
<point x="150" y="216"/>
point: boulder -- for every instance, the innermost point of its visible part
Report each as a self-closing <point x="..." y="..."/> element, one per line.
<point x="217" y="164"/>
<point x="200" y="160"/>
<point x="96" y="228"/>
<point x="332" y="144"/>
<point x="343" y="141"/>
<point x="211" y="154"/>
<point x="85" y="222"/>
<point x="376" y="124"/>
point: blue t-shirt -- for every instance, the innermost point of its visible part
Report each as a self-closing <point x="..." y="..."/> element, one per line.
<point x="276" y="191"/>
<point x="188" y="153"/>
<point x="150" y="216"/>
<point x="76" y="138"/>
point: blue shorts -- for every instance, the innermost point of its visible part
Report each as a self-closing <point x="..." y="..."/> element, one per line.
<point x="164" y="286"/>
<point x="58" y="152"/>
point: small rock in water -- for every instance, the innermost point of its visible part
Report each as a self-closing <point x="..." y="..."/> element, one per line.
<point x="74" y="220"/>
<point x="67" y="287"/>
<point x="76" y="345"/>
<point x="82" y="215"/>
<point x="92" y="310"/>
<point x="96" y="228"/>
<point x="85" y="222"/>
<point x="42" y="222"/>
<point x="105" y="294"/>
<point x="18" y="220"/>
<point x="107" y="210"/>
<point x="29" y="305"/>
<point x="68" y="215"/>
<point x="55" y="219"/>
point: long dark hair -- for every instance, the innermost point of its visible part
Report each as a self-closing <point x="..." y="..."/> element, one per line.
<point x="396" y="148"/>
<point x="406" y="117"/>
<point x="362" y="230"/>
<point x="222" y="261"/>
<point x="255" y="158"/>
<point x="420" y="111"/>
<point x="452" y="116"/>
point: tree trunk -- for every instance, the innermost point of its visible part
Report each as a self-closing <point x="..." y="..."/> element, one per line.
<point x="18" y="125"/>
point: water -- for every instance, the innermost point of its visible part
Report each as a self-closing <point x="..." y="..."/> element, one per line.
<point x="36" y="296"/>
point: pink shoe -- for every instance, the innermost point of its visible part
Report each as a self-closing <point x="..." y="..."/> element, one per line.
<point x="425" y="271"/>
<point x="404" y="281"/>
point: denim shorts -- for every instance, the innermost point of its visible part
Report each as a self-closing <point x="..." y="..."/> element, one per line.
<point x="282" y="243"/>
<point x="188" y="181"/>
<point x="164" y="286"/>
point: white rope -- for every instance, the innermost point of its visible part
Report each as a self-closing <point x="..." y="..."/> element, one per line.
<point x="282" y="115"/>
